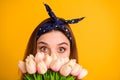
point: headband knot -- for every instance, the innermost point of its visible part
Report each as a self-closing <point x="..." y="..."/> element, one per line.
<point x="56" y="24"/>
<point x="54" y="18"/>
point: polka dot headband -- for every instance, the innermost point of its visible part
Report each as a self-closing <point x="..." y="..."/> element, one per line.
<point x="56" y="24"/>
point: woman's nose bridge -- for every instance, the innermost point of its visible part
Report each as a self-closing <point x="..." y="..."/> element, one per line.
<point x="53" y="51"/>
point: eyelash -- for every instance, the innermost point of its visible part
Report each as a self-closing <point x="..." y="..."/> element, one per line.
<point x="62" y="48"/>
<point x="43" y="47"/>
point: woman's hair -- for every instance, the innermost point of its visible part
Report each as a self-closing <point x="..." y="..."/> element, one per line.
<point x="32" y="43"/>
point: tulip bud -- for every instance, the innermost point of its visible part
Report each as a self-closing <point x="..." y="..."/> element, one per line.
<point x="30" y="65"/>
<point x="82" y="74"/>
<point x="76" y="69"/>
<point x="47" y="60"/>
<point x="32" y="57"/>
<point x="56" y="64"/>
<point x="21" y="66"/>
<point x="41" y="67"/>
<point x="38" y="57"/>
<point x="66" y="59"/>
<point x="54" y="57"/>
<point x="67" y="68"/>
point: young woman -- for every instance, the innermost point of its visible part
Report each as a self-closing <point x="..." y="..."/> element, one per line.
<point x="53" y="36"/>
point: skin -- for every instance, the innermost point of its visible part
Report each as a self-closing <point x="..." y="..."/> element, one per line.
<point x="54" y="43"/>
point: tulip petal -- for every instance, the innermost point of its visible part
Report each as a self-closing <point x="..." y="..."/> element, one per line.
<point x="21" y="66"/>
<point x="30" y="65"/>
<point x="76" y="69"/>
<point x="67" y="68"/>
<point x="41" y="67"/>
<point x="82" y="74"/>
<point x="39" y="57"/>
<point x="47" y="60"/>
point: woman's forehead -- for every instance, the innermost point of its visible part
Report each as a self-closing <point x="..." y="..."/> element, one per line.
<point x="53" y="37"/>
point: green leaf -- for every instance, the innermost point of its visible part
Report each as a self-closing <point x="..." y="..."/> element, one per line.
<point x="63" y="78"/>
<point x="49" y="75"/>
<point x="27" y="76"/>
<point x="39" y="76"/>
<point x="34" y="75"/>
<point x="56" y="76"/>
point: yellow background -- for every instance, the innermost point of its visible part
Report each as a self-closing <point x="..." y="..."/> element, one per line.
<point x="97" y="36"/>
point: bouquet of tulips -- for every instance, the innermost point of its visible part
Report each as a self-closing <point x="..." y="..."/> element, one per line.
<point x="45" y="67"/>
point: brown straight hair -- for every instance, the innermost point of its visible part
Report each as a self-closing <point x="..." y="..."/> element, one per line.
<point x="32" y="43"/>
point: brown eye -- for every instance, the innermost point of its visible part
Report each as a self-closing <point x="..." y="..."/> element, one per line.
<point x="44" y="49"/>
<point x="61" y="50"/>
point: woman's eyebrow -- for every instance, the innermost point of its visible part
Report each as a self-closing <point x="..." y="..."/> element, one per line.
<point x="41" y="42"/>
<point x="63" y="43"/>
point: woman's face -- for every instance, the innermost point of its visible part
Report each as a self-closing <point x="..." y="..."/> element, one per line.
<point x="54" y="43"/>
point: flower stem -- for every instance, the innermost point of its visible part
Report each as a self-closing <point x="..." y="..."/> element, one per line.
<point x="39" y="77"/>
<point x="27" y="77"/>
<point x="35" y="76"/>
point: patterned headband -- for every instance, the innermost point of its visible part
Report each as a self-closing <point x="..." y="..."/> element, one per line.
<point x="56" y="24"/>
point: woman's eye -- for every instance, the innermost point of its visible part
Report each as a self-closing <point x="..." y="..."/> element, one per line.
<point x="61" y="49"/>
<point x="43" y="49"/>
